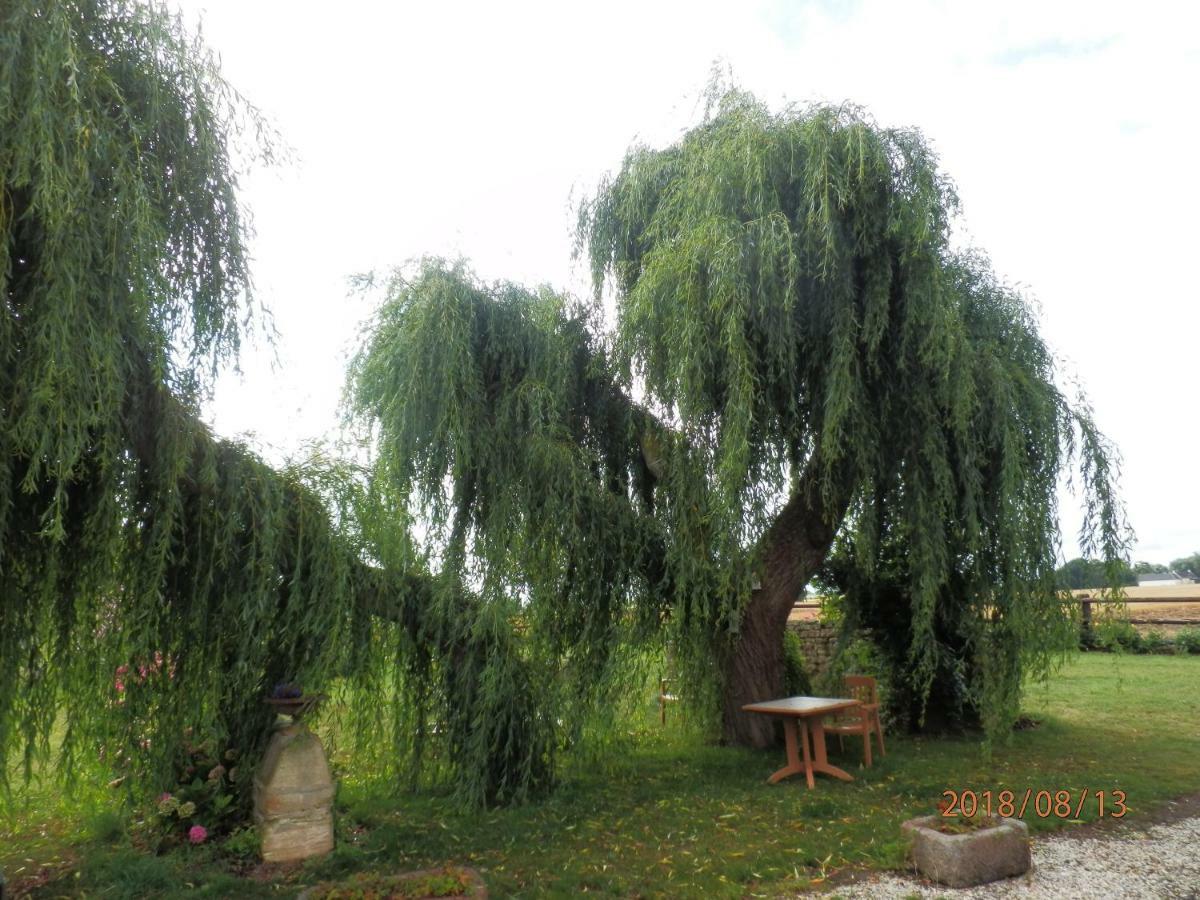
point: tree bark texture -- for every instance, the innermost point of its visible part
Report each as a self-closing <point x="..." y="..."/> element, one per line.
<point x="793" y="548"/>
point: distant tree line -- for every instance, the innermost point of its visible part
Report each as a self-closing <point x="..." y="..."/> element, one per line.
<point x="1187" y="565"/>
<point x="1080" y="573"/>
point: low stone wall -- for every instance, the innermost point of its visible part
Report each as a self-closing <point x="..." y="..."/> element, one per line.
<point x="818" y="643"/>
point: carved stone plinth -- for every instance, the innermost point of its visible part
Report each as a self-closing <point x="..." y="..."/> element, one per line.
<point x="293" y="797"/>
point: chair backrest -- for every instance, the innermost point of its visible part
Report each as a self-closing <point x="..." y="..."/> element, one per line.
<point x="862" y="688"/>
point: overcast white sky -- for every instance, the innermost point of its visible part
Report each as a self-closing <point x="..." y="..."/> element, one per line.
<point x="459" y="128"/>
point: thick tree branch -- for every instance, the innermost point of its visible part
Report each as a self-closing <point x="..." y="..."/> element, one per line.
<point x="799" y="538"/>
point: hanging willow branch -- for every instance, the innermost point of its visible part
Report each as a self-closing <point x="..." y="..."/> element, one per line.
<point x="500" y="420"/>
<point x="155" y="579"/>
<point x="123" y="277"/>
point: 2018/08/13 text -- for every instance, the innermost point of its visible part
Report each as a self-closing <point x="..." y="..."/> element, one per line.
<point x="1043" y="804"/>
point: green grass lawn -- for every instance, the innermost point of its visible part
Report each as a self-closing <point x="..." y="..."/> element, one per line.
<point x="675" y="819"/>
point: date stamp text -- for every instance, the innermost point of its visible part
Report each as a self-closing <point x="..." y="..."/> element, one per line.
<point x="1040" y="803"/>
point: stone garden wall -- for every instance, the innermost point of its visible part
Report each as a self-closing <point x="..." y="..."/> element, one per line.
<point x="818" y="643"/>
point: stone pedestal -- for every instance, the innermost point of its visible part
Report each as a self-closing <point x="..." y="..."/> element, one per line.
<point x="293" y="797"/>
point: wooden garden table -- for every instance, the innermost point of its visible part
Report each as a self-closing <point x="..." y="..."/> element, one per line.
<point x="800" y="711"/>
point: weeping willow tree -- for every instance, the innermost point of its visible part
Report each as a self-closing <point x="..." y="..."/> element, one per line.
<point x="799" y="355"/>
<point x="155" y="579"/>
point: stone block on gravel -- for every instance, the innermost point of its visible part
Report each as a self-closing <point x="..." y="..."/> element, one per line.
<point x="974" y="857"/>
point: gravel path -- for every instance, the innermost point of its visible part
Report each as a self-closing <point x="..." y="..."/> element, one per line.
<point x="1161" y="862"/>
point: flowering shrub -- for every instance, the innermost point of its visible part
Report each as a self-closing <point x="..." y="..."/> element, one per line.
<point x="126" y="676"/>
<point x="206" y="798"/>
<point x="204" y="802"/>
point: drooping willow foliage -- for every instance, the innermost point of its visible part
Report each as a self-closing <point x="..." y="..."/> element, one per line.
<point x="811" y="357"/>
<point x="156" y="581"/>
<point x="797" y="351"/>
<point x="151" y="577"/>
<point x="786" y="287"/>
<point x="501" y="430"/>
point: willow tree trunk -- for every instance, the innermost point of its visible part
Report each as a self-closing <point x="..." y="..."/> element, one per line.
<point x="793" y="548"/>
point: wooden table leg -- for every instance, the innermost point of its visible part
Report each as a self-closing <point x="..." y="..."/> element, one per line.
<point x="808" y="767"/>
<point x="793" y="756"/>
<point x="821" y="763"/>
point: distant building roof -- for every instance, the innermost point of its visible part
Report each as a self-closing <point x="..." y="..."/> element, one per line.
<point x="1160" y="576"/>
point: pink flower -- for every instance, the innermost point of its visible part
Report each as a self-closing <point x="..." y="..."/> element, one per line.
<point x="197" y="834"/>
<point x="121" y="670"/>
<point x="119" y="685"/>
<point x="164" y="796"/>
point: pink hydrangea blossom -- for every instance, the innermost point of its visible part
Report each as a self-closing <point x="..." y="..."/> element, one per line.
<point x="197" y="834"/>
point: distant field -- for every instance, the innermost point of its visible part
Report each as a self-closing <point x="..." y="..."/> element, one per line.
<point x="804" y="615"/>
<point x="1174" y="605"/>
<point x="1167" y="592"/>
<point x="1149" y="612"/>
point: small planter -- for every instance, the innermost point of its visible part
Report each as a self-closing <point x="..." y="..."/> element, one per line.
<point x="970" y="857"/>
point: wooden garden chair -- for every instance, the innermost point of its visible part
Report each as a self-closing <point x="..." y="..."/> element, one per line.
<point x="861" y="719"/>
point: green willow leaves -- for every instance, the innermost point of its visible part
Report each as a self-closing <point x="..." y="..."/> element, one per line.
<point x="548" y="500"/>
<point x="787" y="282"/>
<point x="151" y="577"/>
<point x="154" y="579"/>
<point x="783" y="282"/>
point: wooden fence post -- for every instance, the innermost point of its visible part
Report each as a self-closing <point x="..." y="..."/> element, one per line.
<point x="1086" y="636"/>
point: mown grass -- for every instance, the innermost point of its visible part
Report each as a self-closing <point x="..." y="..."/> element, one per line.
<point x="674" y="818"/>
